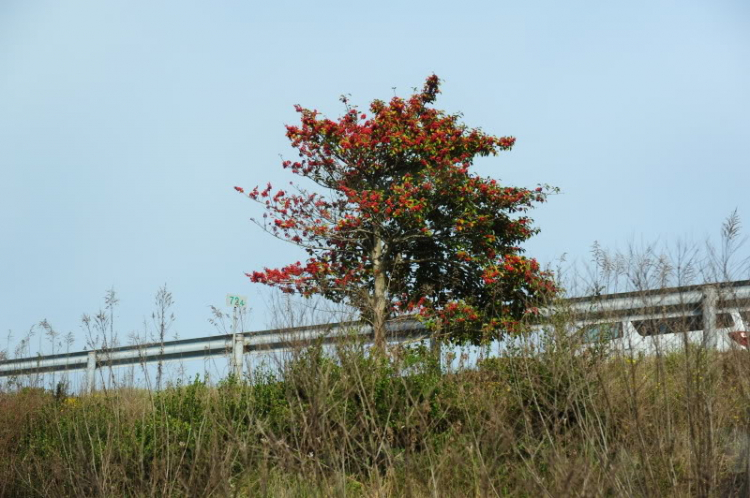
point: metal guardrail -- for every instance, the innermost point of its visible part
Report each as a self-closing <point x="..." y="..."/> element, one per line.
<point x="235" y="345"/>
<point x="704" y="300"/>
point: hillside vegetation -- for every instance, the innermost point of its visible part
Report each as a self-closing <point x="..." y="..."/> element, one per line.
<point x="345" y="423"/>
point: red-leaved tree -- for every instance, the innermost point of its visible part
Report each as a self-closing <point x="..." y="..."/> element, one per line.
<point x="399" y="225"/>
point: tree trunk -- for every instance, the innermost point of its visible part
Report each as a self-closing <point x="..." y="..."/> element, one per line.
<point x="379" y="301"/>
<point x="436" y="345"/>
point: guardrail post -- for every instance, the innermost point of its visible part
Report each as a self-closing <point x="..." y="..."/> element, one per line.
<point x="238" y="353"/>
<point x="436" y="345"/>
<point x="708" y="304"/>
<point x="91" y="372"/>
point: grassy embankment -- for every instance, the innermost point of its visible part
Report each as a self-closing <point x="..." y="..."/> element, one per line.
<point x="344" y="424"/>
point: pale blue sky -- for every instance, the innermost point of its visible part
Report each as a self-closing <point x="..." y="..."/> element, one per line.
<point x="125" y="125"/>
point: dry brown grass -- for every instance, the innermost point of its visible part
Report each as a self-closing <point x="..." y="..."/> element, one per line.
<point x="558" y="424"/>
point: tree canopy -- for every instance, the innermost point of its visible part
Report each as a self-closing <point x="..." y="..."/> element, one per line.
<point x="397" y="224"/>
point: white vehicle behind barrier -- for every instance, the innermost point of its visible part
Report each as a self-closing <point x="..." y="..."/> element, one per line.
<point x="656" y="322"/>
<point x="663" y="335"/>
